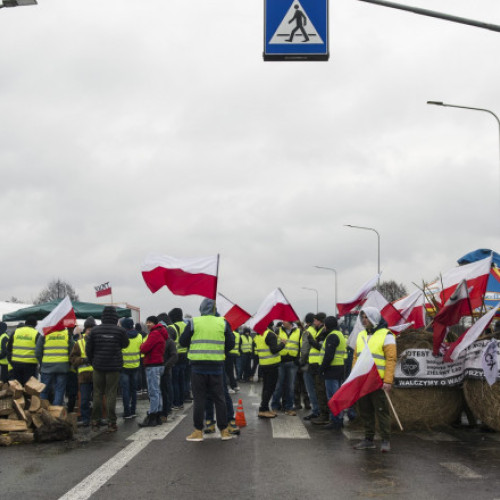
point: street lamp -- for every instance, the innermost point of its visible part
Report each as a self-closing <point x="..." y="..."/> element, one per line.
<point x="17" y="3"/>
<point x="335" y="284"/>
<point x="317" y="296"/>
<point x="378" y="247"/>
<point x="439" y="103"/>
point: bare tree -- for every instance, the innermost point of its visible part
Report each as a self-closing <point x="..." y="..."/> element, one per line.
<point x="56" y="289"/>
<point x="392" y="291"/>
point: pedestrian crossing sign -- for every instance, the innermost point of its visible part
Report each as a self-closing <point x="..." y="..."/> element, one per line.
<point x="296" y="30"/>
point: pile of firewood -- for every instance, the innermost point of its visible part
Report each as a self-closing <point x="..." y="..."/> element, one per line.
<point x="25" y="417"/>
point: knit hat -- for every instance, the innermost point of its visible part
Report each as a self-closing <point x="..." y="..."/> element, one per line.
<point x="320" y="317"/>
<point x="128" y="323"/>
<point x="175" y="314"/>
<point x="109" y="316"/>
<point x="31" y="321"/>
<point x="331" y="323"/>
<point x="207" y="307"/>
<point x="138" y="327"/>
<point x="89" y="322"/>
<point x="309" y="318"/>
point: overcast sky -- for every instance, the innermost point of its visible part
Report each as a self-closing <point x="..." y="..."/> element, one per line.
<point x="129" y="127"/>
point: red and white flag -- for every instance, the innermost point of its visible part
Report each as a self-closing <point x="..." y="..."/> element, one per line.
<point x="412" y="308"/>
<point x="468" y="337"/>
<point x="102" y="290"/>
<point x="275" y="306"/>
<point x="476" y="274"/>
<point x="60" y="318"/>
<point x="192" y="276"/>
<point x="232" y="312"/>
<point x="347" y="307"/>
<point x="456" y="306"/>
<point x="364" y="378"/>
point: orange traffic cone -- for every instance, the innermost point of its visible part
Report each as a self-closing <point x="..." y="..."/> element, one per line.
<point x="240" y="415"/>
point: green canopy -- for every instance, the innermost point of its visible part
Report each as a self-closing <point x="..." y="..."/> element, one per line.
<point x="82" y="310"/>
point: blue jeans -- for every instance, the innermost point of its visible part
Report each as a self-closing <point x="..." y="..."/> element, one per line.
<point x="178" y="375"/>
<point x="286" y="384"/>
<point x="129" y="378"/>
<point x="58" y="380"/>
<point x="85" y="399"/>
<point x="311" y="391"/>
<point x="153" y="376"/>
<point x="332" y="386"/>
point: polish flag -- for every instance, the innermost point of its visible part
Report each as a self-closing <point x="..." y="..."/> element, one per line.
<point x="468" y="337"/>
<point x="476" y="274"/>
<point x="387" y="311"/>
<point x="232" y="312"/>
<point x="60" y="318"/>
<point x="193" y="276"/>
<point x="456" y="306"/>
<point x="364" y="378"/>
<point x="102" y="290"/>
<point x="347" y="307"/>
<point x="412" y="308"/>
<point x="275" y="306"/>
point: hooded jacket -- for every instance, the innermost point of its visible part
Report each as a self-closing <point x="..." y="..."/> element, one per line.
<point x="154" y="346"/>
<point x="104" y="343"/>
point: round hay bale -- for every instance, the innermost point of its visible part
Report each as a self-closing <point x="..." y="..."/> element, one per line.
<point x="426" y="407"/>
<point x="484" y="401"/>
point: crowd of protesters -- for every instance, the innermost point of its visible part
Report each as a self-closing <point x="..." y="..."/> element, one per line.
<point x="177" y="359"/>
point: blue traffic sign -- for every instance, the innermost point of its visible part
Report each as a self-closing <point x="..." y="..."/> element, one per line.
<point x="296" y="30"/>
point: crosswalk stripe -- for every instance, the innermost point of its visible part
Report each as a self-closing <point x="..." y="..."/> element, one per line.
<point x="289" y="428"/>
<point x="461" y="470"/>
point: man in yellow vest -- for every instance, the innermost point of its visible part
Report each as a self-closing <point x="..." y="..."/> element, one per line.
<point x="4" y="338"/>
<point x="181" y="365"/>
<point x="52" y="351"/>
<point x="374" y="406"/>
<point x="231" y="364"/>
<point x="208" y="338"/>
<point x="287" y="370"/>
<point x="129" y="376"/>
<point x="308" y="374"/>
<point x="246" y="355"/>
<point x="268" y="347"/>
<point x="78" y="359"/>
<point x="332" y="357"/>
<point x="21" y="351"/>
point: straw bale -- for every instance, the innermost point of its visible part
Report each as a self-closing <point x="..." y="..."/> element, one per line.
<point x="484" y="401"/>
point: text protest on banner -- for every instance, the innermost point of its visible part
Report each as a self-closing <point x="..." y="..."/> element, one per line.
<point x="420" y="368"/>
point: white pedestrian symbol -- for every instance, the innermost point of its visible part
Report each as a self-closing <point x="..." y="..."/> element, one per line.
<point x="296" y="27"/>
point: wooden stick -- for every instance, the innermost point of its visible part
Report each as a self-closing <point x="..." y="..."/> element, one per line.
<point x="393" y="410"/>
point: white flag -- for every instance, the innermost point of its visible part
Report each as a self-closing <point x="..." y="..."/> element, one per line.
<point x="489" y="360"/>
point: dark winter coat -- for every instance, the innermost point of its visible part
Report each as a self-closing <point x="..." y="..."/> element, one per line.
<point x="104" y="345"/>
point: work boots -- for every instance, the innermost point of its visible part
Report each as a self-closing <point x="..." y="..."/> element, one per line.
<point x="149" y="421"/>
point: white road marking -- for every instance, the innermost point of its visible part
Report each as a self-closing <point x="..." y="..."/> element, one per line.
<point x="461" y="470"/>
<point x="252" y="393"/>
<point x="140" y="439"/>
<point x="285" y="427"/>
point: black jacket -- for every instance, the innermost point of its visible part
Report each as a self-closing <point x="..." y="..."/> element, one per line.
<point x="104" y="346"/>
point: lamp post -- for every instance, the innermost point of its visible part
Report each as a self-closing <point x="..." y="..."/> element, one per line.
<point x="445" y="105"/>
<point x="335" y="284"/>
<point x="17" y="3"/>
<point x="378" y="246"/>
<point x="317" y="296"/>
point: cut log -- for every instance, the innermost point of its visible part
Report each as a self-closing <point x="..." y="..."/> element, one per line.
<point x="35" y="404"/>
<point x="6" y="407"/>
<point x="7" y="425"/>
<point x="22" y="437"/>
<point x="37" y="420"/>
<point x="46" y="417"/>
<point x="19" y="410"/>
<point x="58" y="411"/>
<point x="72" y="418"/>
<point x="13" y="415"/>
<point x="29" y="419"/>
<point x="34" y="387"/>
<point x="21" y="402"/>
<point x="16" y="389"/>
<point x="5" y="440"/>
<point x="45" y="404"/>
<point x="4" y="393"/>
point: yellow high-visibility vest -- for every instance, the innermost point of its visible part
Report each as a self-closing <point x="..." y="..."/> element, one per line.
<point x="23" y="345"/>
<point x="376" y="346"/>
<point x="340" y="352"/>
<point x="208" y="340"/>
<point x="55" y="348"/>
<point x="293" y="345"/>
<point x="236" y="348"/>
<point x="86" y="366"/>
<point x="3" y="361"/>
<point x="314" y="354"/>
<point x="266" y="357"/>
<point x="132" y="353"/>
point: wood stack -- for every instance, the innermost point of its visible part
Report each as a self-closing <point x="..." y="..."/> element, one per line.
<point x="23" y="414"/>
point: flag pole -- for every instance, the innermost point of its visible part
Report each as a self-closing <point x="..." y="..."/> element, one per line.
<point x="289" y="303"/>
<point x="216" y="283"/>
<point x="393" y="410"/>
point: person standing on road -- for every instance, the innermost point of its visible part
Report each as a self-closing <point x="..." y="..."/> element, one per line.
<point x="208" y="338"/>
<point x="231" y="364"/>
<point x="268" y="349"/>
<point x="4" y="364"/>
<point x="308" y="376"/>
<point x="79" y="361"/>
<point x="21" y="351"/>
<point x="332" y="358"/>
<point x="52" y="352"/>
<point x="103" y="347"/>
<point x="154" y="349"/>
<point x="129" y="376"/>
<point x="246" y="355"/>
<point x="374" y="406"/>
<point x="181" y="365"/>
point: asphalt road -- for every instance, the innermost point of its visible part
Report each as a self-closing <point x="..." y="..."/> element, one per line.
<point x="285" y="458"/>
